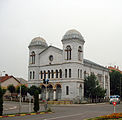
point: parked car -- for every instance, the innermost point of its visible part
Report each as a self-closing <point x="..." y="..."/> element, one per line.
<point x="114" y="98"/>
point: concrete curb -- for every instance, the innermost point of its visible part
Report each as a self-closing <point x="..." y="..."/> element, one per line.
<point x="4" y="116"/>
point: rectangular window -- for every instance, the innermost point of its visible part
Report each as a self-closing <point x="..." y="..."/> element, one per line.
<point x="65" y="73"/>
<point x="69" y="73"/>
<point x="67" y="90"/>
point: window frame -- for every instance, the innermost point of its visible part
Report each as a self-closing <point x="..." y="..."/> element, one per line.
<point x="70" y="73"/>
<point x="68" y="52"/>
<point x="67" y="90"/>
<point x="65" y="73"/>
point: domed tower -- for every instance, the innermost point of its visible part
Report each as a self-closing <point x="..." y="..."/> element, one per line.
<point x="36" y="46"/>
<point x="73" y="46"/>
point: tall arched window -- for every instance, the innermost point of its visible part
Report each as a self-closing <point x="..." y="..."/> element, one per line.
<point x="69" y="73"/>
<point x="80" y="73"/>
<point x="41" y="75"/>
<point x="65" y="73"/>
<point x="84" y="74"/>
<point x="79" y="53"/>
<point x="44" y="74"/>
<point x="52" y="73"/>
<point x="30" y="75"/>
<point x="32" y="57"/>
<point x="48" y="74"/>
<point x="68" y="52"/>
<point x="67" y="90"/>
<point x="33" y="75"/>
<point x="60" y="71"/>
<point x="56" y="73"/>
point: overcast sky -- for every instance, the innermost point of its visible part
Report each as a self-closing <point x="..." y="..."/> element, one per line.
<point x="99" y="22"/>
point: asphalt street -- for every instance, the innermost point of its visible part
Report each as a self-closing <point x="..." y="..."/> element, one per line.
<point x="66" y="112"/>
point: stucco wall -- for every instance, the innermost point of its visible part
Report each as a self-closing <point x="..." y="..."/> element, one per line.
<point x="9" y="82"/>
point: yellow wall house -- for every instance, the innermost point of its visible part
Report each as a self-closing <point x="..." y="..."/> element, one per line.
<point x="6" y="80"/>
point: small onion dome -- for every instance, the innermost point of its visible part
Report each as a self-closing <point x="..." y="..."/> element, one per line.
<point x="73" y="34"/>
<point x="38" y="41"/>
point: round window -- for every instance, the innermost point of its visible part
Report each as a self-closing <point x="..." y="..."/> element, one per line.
<point x="51" y="58"/>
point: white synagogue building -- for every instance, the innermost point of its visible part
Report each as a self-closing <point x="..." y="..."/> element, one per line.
<point x="65" y="68"/>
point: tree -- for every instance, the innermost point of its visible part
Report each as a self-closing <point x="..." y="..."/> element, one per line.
<point x="90" y="84"/>
<point x="34" y="88"/>
<point x="115" y="82"/>
<point x="92" y="88"/>
<point x="99" y="92"/>
<point x="36" y="101"/>
<point x="24" y="90"/>
<point x="11" y="88"/>
<point x="2" y="92"/>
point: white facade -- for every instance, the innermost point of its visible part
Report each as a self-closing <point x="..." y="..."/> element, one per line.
<point x="65" y="68"/>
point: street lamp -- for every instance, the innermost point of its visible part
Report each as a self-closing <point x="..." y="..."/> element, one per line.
<point x="1" y="75"/>
<point x="45" y="81"/>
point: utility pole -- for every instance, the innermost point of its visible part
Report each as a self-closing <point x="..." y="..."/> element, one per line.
<point x="45" y="81"/>
<point x="20" y="99"/>
<point x="120" y="88"/>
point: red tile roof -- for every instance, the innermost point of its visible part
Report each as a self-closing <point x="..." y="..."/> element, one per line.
<point x="114" y="68"/>
<point x="6" y="77"/>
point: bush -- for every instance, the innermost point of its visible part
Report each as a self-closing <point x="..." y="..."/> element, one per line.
<point x="36" y="101"/>
<point x="2" y="92"/>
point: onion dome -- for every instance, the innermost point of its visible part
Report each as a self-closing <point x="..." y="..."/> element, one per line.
<point x="38" y="41"/>
<point x="73" y="34"/>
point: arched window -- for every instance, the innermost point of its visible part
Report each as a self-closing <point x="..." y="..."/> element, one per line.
<point x="65" y="73"/>
<point x="84" y="74"/>
<point x="67" y="90"/>
<point x="68" y="52"/>
<point x="41" y="75"/>
<point x="80" y="91"/>
<point x="60" y="71"/>
<point x="48" y="74"/>
<point x="33" y="75"/>
<point x="80" y="73"/>
<point x="69" y="73"/>
<point x="56" y="73"/>
<point x="33" y="57"/>
<point x="30" y="75"/>
<point x="79" y="53"/>
<point x="52" y="73"/>
<point x="44" y="74"/>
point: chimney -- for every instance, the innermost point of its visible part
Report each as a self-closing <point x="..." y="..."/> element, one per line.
<point x="6" y="74"/>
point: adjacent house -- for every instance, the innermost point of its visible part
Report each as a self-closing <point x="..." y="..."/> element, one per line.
<point x="6" y="80"/>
